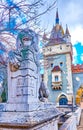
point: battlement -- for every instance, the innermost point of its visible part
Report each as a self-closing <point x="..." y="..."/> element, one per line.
<point x="77" y="68"/>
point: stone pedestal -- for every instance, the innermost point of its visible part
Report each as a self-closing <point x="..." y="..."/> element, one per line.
<point x="23" y="73"/>
<point x="23" y="109"/>
<point x="23" y="85"/>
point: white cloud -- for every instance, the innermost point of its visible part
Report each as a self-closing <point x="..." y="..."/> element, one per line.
<point x="72" y="15"/>
<point x="74" y="55"/>
<point x="74" y="51"/>
<point x="82" y="56"/>
<point x="77" y="35"/>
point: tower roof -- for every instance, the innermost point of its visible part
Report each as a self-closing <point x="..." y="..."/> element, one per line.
<point x="57" y="34"/>
<point x="67" y="30"/>
<point x="57" y="31"/>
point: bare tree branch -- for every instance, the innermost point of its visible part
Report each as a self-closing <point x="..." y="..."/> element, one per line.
<point x="22" y="13"/>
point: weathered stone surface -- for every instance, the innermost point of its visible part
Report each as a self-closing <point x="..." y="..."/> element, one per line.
<point x="46" y="113"/>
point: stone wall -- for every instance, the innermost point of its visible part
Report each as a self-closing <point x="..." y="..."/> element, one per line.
<point x="66" y="76"/>
<point x="78" y="115"/>
<point x="59" y="49"/>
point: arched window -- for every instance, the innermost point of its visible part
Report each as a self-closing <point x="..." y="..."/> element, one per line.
<point x="56" y="78"/>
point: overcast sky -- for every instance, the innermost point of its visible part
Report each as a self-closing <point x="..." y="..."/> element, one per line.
<point x="70" y="13"/>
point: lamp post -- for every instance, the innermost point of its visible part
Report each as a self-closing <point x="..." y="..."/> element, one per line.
<point x="72" y="103"/>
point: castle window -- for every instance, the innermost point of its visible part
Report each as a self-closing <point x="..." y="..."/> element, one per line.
<point x="50" y="49"/>
<point x="61" y="64"/>
<point x="51" y="64"/>
<point x="61" y="47"/>
<point x="56" y="78"/>
<point x="43" y="50"/>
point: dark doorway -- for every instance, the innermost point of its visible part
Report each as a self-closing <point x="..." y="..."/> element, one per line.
<point x="63" y="100"/>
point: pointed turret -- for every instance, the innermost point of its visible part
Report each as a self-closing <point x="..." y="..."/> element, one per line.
<point x="67" y="30"/>
<point x="57" y="17"/>
<point x="45" y="37"/>
<point x="67" y="36"/>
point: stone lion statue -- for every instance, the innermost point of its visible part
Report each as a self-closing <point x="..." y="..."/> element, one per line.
<point x="27" y="42"/>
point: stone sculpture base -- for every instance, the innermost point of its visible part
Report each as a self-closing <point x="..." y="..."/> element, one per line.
<point x="45" y="114"/>
<point x="6" y="107"/>
<point x="22" y="107"/>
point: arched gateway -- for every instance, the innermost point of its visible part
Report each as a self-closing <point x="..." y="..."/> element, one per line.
<point x="63" y="100"/>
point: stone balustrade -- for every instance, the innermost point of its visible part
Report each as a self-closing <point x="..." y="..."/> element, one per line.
<point x="70" y="124"/>
<point x="78" y="115"/>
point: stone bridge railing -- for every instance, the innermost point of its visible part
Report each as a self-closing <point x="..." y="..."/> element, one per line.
<point x="78" y="115"/>
<point x="70" y="124"/>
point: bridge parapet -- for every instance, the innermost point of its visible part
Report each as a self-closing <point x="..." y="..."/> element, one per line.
<point x="70" y="124"/>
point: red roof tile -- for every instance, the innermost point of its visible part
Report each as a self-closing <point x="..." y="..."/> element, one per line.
<point x="77" y="68"/>
<point x="56" y="68"/>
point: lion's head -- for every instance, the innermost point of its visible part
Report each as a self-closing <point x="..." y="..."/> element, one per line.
<point x="26" y="38"/>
